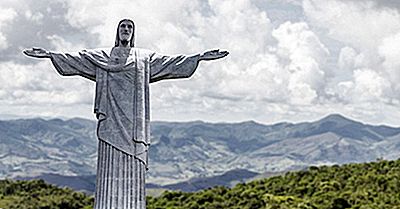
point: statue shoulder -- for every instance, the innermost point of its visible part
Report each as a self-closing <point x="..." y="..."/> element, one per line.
<point x="98" y="51"/>
<point x="143" y="53"/>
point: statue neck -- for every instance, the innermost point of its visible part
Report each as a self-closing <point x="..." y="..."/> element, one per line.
<point x="124" y="44"/>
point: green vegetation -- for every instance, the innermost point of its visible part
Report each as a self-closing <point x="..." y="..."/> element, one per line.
<point x="373" y="185"/>
<point x="363" y="186"/>
<point x="36" y="194"/>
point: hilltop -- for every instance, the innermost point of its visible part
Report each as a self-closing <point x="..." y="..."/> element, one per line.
<point x="362" y="186"/>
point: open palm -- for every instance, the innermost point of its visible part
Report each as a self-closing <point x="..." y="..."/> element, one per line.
<point x="37" y="52"/>
<point x="213" y="54"/>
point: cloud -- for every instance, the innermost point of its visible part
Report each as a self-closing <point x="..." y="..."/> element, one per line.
<point x="60" y="44"/>
<point x="25" y="89"/>
<point x="369" y="85"/>
<point x="31" y="86"/>
<point x="101" y="18"/>
<point x="389" y="51"/>
<point x="366" y="86"/>
<point x="382" y="3"/>
<point x="289" y="60"/>
<point x="358" y="23"/>
<point x="368" y="64"/>
<point x="348" y="58"/>
<point x="242" y="29"/>
<point x="306" y="56"/>
<point x="25" y="24"/>
<point x="38" y="84"/>
<point x="35" y="17"/>
<point x="6" y="16"/>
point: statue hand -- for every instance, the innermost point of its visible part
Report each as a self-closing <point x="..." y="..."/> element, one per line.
<point x="37" y="52"/>
<point x="213" y="54"/>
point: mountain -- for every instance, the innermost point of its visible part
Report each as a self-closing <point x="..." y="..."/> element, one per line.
<point x="87" y="183"/>
<point x="30" y="147"/>
<point x="187" y="150"/>
<point x="190" y="149"/>
<point x="227" y="179"/>
<point x="78" y="183"/>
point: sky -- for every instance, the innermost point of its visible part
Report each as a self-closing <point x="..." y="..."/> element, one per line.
<point x="290" y="60"/>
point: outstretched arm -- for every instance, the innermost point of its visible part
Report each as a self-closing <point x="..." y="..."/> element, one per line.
<point x="66" y="64"/>
<point x="180" y="66"/>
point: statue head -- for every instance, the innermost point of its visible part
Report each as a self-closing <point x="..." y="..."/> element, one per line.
<point x="125" y="32"/>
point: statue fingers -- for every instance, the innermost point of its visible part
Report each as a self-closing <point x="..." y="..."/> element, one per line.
<point x="214" y="54"/>
<point x="224" y="53"/>
<point x="28" y="52"/>
<point x="220" y="53"/>
<point x="211" y="52"/>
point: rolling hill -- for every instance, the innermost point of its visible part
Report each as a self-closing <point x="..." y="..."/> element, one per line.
<point x="185" y="151"/>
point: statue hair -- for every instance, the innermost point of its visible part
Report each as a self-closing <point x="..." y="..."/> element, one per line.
<point x="132" y="41"/>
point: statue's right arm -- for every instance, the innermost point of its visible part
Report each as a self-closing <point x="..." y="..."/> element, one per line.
<point x="66" y="64"/>
<point x="37" y="52"/>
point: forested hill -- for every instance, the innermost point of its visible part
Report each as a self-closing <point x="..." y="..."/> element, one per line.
<point x="362" y="186"/>
<point x="36" y="194"/>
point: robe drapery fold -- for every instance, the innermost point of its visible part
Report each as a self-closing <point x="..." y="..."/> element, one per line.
<point x="120" y="180"/>
<point x="122" y="91"/>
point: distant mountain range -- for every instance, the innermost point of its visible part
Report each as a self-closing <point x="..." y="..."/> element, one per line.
<point x="87" y="183"/>
<point x="30" y="147"/>
<point x="186" y="151"/>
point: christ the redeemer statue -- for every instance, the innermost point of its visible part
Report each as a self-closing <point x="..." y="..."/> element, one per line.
<point x="122" y="75"/>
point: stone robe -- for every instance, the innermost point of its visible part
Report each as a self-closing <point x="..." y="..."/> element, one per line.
<point x="122" y="109"/>
<point x="122" y="91"/>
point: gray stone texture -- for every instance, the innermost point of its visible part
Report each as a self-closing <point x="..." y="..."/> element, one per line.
<point x="122" y="108"/>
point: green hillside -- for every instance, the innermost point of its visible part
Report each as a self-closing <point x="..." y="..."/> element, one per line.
<point x="364" y="186"/>
<point x="37" y="194"/>
<point x="373" y="185"/>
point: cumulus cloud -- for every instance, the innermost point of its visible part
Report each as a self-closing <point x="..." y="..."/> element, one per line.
<point x="390" y="53"/>
<point x="306" y="56"/>
<point x="382" y="3"/>
<point x="38" y="86"/>
<point x="357" y="23"/>
<point x="6" y="16"/>
<point x="347" y="58"/>
<point x="340" y="57"/>
<point x="368" y="64"/>
<point x="30" y="86"/>
<point x="27" y="23"/>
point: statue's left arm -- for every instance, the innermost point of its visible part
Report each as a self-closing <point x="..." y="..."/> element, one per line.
<point x="180" y="66"/>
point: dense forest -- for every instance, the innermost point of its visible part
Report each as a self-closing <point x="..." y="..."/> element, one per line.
<point x="365" y="186"/>
<point x="38" y="194"/>
<point x="373" y="185"/>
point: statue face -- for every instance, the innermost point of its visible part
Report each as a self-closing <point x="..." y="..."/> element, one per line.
<point x="125" y="30"/>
